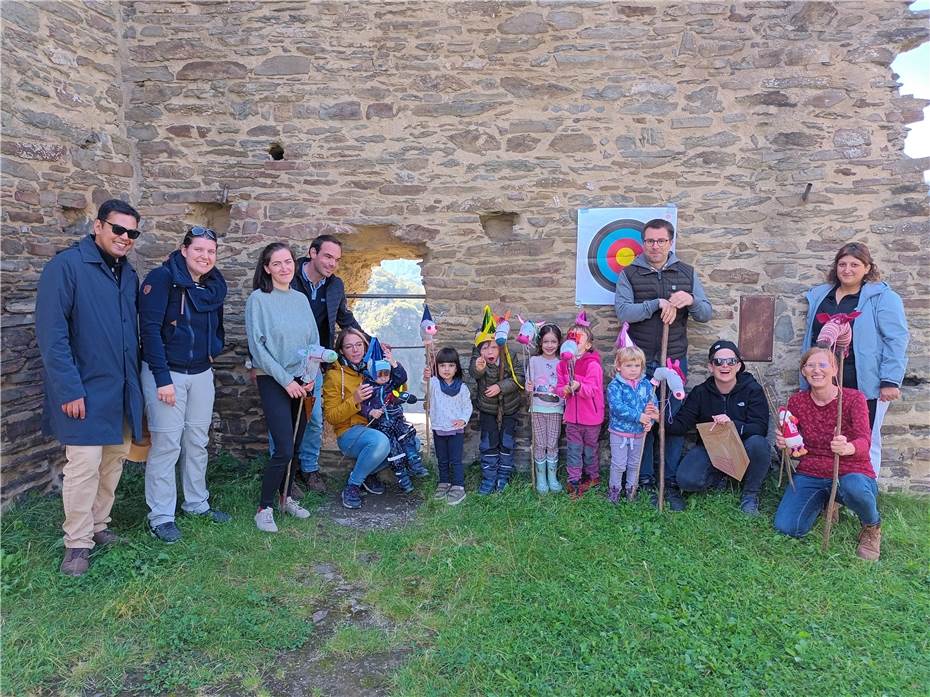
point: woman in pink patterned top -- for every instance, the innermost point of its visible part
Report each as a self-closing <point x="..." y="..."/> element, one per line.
<point x="816" y="413"/>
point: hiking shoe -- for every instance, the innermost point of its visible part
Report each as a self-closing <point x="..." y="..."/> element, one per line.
<point x="215" y="516"/>
<point x="312" y="481"/>
<point x="76" y="562"/>
<point x="574" y="489"/>
<point x="106" y="537"/>
<point x="169" y="533"/>
<point x="673" y="499"/>
<point x="373" y="485"/>
<point x="352" y="496"/>
<point x="264" y="520"/>
<point x="441" y="490"/>
<point x="291" y="507"/>
<point x="487" y="486"/>
<point x="588" y="484"/>
<point x="870" y="542"/>
<point x="456" y="495"/>
<point x="750" y="505"/>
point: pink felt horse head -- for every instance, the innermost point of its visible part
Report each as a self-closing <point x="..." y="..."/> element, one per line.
<point x="836" y="333"/>
<point x="529" y="330"/>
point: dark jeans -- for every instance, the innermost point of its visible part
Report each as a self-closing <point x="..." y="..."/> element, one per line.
<point x="673" y="444"/>
<point x="449" y="458"/>
<point x="280" y="412"/>
<point x="801" y="505"/>
<point x="696" y="473"/>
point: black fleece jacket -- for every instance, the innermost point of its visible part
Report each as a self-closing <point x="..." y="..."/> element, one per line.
<point x="745" y="405"/>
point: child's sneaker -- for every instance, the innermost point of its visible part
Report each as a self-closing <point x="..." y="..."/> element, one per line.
<point x="352" y="496"/>
<point x="373" y="485"/>
<point x="614" y="494"/>
<point x="456" y="495"/>
<point x="291" y="507"/>
<point x="417" y="469"/>
<point x="441" y="490"/>
<point x="264" y="520"/>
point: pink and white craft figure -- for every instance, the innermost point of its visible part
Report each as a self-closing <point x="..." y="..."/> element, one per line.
<point x="836" y="332"/>
<point x="311" y="357"/>
<point x="788" y="423"/>
<point x="529" y="330"/>
<point x="672" y="378"/>
<point x="568" y="351"/>
<point x="428" y="327"/>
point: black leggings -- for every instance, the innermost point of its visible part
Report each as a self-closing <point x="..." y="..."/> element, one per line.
<point x="280" y="413"/>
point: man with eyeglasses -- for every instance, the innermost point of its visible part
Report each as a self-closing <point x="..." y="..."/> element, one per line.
<point x="87" y="332"/>
<point x="729" y="394"/>
<point x="659" y="288"/>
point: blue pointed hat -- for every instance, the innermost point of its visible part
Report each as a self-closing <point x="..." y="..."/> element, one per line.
<point x="373" y="354"/>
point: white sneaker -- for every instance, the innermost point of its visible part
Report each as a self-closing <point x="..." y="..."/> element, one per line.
<point x="291" y="507"/>
<point x="264" y="520"/>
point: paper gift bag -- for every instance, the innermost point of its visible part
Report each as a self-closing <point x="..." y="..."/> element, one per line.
<point x="725" y="448"/>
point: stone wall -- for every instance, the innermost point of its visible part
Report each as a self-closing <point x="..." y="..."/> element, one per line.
<point x="467" y="134"/>
<point x="65" y="151"/>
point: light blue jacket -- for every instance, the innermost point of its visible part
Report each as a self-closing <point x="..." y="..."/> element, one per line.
<point x="880" y="335"/>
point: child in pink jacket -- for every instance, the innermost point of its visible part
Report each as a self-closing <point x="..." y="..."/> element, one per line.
<point x="581" y="381"/>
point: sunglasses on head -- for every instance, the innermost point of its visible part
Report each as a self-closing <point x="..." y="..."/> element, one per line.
<point x="119" y="230"/>
<point x="724" y="361"/>
<point x="199" y="231"/>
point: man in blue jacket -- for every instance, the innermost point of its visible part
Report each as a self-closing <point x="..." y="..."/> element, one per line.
<point x="87" y="331"/>
<point x="729" y="394"/>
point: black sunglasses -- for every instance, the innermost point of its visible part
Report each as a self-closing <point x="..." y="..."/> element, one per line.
<point x="199" y="231"/>
<point x="120" y="230"/>
<point x="724" y="361"/>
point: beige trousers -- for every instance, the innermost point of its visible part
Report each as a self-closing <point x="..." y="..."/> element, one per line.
<point x="89" y="489"/>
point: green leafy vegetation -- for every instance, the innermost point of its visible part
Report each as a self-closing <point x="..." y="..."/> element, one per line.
<point x="508" y="595"/>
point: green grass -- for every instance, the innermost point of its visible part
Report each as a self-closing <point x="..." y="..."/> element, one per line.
<point x="508" y="595"/>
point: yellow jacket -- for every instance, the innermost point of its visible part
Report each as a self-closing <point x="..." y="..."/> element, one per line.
<point x="339" y="406"/>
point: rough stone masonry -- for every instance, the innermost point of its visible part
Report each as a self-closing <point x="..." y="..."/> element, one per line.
<point x="465" y="134"/>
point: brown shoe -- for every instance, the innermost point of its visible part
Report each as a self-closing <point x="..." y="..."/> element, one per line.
<point x="106" y="537"/>
<point x="76" y="562"/>
<point x="870" y="542"/>
<point x="312" y="481"/>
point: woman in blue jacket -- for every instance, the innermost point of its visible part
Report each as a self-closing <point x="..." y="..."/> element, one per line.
<point x="876" y="362"/>
<point x="181" y="309"/>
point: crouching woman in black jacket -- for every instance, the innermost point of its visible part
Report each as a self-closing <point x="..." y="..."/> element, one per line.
<point x="729" y="394"/>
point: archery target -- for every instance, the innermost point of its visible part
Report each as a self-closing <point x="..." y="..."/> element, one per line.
<point x="612" y="248"/>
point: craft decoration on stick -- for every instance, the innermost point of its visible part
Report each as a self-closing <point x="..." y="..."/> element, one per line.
<point x="788" y="423"/>
<point x="529" y="331"/>
<point x="671" y="377"/>
<point x="428" y="331"/>
<point x="835" y="334"/>
<point x="428" y="327"/>
<point x="503" y="329"/>
<point x="311" y="358"/>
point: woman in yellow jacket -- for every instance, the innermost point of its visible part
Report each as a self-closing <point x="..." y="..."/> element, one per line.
<point x="343" y="393"/>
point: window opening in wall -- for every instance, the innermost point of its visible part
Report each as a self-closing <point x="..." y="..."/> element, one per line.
<point x="276" y="150"/>
<point x="391" y="309"/>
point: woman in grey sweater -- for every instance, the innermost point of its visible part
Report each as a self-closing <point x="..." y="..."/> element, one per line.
<point x="280" y="327"/>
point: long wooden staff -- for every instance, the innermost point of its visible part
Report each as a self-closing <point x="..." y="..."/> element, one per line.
<point x="663" y="401"/>
<point x="307" y="403"/>
<point x="432" y="371"/>
<point x="828" y="523"/>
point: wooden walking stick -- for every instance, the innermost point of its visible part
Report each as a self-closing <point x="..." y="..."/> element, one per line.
<point x="428" y="331"/>
<point x="307" y="403"/>
<point x="663" y="401"/>
<point x="836" y="333"/>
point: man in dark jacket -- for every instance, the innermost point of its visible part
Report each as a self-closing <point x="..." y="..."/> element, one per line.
<point x="658" y="289"/>
<point x="87" y="331"/>
<point x="729" y="394"/>
<point x="326" y="292"/>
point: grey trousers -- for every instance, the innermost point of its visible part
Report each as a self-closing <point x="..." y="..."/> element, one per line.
<point x="179" y="433"/>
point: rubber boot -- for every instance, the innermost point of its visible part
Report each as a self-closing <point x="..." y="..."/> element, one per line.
<point x="552" y="469"/>
<point x="504" y="470"/>
<point x="542" y="486"/>
<point x="489" y="462"/>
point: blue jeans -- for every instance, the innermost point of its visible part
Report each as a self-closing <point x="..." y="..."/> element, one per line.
<point x="370" y="449"/>
<point x="308" y="453"/>
<point x="673" y="444"/>
<point x="696" y="473"/>
<point x="800" y="506"/>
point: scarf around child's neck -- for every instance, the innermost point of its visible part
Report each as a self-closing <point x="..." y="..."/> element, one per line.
<point x="450" y="389"/>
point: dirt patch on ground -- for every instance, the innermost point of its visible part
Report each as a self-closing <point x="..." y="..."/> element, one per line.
<point x="390" y="510"/>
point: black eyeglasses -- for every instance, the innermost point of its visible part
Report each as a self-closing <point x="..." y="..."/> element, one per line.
<point x="724" y="361"/>
<point x="199" y="231"/>
<point x="120" y="230"/>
